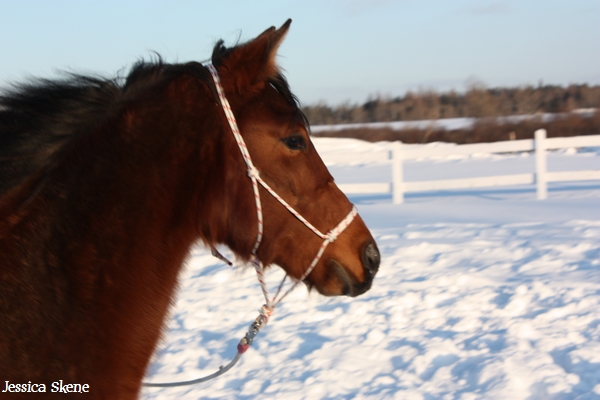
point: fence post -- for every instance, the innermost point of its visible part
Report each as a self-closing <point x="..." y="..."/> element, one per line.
<point x="397" y="173"/>
<point x="541" y="164"/>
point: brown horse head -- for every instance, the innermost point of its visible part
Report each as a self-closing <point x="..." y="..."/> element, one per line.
<point x="105" y="184"/>
<point x="277" y="136"/>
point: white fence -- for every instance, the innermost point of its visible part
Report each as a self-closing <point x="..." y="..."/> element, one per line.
<point x="541" y="177"/>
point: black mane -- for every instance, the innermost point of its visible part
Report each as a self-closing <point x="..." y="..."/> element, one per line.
<point x="37" y="119"/>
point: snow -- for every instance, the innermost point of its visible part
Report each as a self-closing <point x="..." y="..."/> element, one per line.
<point x="444" y="123"/>
<point x="481" y="294"/>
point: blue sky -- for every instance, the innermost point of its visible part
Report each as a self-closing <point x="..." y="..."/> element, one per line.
<point x="336" y="50"/>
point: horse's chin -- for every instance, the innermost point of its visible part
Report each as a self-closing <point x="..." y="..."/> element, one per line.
<point x="341" y="283"/>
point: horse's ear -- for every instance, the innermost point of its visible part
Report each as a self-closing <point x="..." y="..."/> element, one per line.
<point x="250" y="65"/>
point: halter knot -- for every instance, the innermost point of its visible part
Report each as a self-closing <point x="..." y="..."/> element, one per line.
<point x="331" y="236"/>
<point x="265" y="313"/>
<point x="253" y="172"/>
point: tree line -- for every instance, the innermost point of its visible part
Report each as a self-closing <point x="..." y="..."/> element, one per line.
<point x="478" y="101"/>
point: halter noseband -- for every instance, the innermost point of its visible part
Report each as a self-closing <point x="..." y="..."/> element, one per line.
<point x="254" y="176"/>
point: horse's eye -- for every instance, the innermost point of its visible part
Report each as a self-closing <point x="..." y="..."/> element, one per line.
<point x="295" y="142"/>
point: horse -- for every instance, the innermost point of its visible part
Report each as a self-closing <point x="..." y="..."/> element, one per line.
<point x="106" y="184"/>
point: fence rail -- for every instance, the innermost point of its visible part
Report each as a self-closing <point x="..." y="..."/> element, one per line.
<point x="540" y="144"/>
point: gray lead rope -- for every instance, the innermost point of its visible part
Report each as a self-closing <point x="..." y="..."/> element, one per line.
<point x="221" y="371"/>
<point x="244" y="344"/>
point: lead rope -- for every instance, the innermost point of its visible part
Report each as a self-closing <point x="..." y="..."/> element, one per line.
<point x="270" y="303"/>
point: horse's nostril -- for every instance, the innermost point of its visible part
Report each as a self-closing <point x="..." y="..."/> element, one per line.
<point x="371" y="259"/>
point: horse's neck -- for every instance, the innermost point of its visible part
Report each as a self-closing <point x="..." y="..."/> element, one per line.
<point x="114" y="240"/>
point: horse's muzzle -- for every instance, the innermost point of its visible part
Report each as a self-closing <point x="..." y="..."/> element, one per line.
<point x="370" y="258"/>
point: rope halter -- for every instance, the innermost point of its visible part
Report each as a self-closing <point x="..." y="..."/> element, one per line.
<point x="271" y="303"/>
<point x="254" y="176"/>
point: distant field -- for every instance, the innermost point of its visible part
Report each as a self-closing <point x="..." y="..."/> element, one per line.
<point x="468" y="130"/>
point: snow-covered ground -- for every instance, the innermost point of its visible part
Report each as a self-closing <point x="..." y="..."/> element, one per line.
<point x="481" y="294"/>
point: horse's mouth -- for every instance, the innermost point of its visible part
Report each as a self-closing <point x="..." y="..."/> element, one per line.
<point x="350" y="286"/>
<point x="339" y="280"/>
